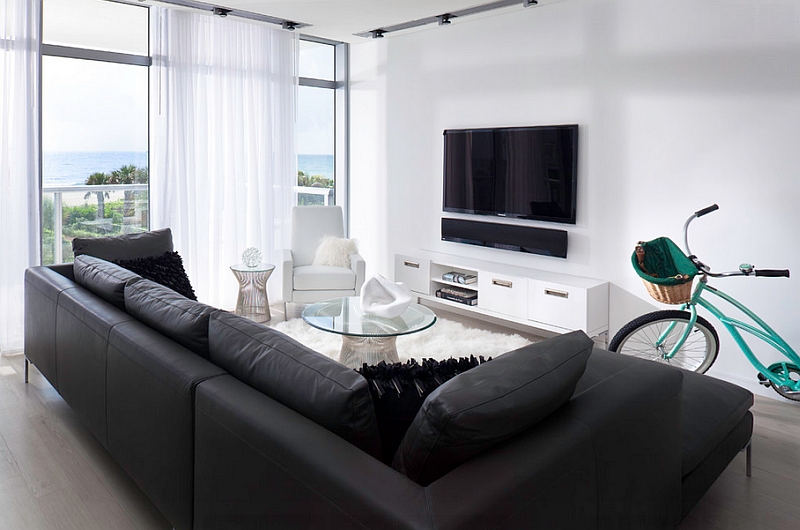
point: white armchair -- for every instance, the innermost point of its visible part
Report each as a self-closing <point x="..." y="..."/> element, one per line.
<point x="304" y="283"/>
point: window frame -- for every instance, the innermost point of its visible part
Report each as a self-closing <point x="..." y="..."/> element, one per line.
<point x="341" y="124"/>
<point x="88" y="54"/>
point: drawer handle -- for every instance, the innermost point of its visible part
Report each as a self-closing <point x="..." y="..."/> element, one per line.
<point x="412" y="264"/>
<point x="553" y="292"/>
<point x="502" y="283"/>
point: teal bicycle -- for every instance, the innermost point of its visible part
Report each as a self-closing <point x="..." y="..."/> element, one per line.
<point x="682" y="337"/>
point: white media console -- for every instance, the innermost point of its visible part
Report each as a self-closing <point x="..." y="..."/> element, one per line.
<point x="546" y="301"/>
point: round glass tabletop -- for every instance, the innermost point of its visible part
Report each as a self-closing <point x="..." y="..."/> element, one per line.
<point x="261" y="267"/>
<point x="345" y="317"/>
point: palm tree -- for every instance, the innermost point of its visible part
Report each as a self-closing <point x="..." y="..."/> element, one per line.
<point x="129" y="174"/>
<point x="99" y="179"/>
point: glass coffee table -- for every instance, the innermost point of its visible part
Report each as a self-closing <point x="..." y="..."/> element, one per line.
<point x="366" y="338"/>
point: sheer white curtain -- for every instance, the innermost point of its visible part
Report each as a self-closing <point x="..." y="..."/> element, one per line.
<point x="223" y="160"/>
<point x="19" y="161"/>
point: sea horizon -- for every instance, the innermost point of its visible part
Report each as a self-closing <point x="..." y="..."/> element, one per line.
<point x="70" y="168"/>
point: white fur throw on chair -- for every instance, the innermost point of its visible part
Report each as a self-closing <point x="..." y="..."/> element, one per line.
<point x="335" y="251"/>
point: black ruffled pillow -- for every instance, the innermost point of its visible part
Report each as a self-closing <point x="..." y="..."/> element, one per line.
<point x="166" y="269"/>
<point x="398" y="391"/>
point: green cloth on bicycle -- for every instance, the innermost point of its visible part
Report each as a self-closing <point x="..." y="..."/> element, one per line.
<point x="664" y="263"/>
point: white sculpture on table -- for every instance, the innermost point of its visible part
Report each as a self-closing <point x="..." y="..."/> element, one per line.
<point x="383" y="298"/>
<point x="251" y="257"/>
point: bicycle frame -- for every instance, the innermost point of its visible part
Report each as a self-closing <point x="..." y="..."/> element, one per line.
<point x="760" y="330"/>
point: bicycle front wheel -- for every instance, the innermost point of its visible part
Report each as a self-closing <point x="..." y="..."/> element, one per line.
<point x="638" y="338"/>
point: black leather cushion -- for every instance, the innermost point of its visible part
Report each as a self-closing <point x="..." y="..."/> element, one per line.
<point x="104" y="279"/>
<point x="184" y="321"/>
<point x="710" y="409"/>
<point x="128" y="246"/>
<point x="311" y="384"/>
<point x="399" y="389"/>
<point x="491" y="403"/>
<point x="166" y="269"/>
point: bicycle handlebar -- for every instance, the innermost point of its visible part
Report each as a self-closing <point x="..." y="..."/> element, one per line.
<point x="705" y="269"/>
<point x="772" y="273"/>
<point x="707" y="209"/>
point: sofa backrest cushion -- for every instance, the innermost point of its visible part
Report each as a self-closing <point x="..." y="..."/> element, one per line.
<point x="102" y="278"/>
<point x="490" y="404"/>
<point x="184" y="321"/>
<point x="127" y="246"/>
<point x="309" y="383"/>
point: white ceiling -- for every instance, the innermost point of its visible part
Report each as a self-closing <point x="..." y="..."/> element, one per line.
<point x="341" y="19"/>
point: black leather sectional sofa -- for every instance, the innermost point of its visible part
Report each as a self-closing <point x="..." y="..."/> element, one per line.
<point x="224" y="423"/>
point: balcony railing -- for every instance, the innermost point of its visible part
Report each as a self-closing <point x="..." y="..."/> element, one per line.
<point x="304" y="195"/>
<point x="132" y="218"/>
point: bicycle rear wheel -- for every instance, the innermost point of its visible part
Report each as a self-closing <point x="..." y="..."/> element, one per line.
<point x="638" y="339"/>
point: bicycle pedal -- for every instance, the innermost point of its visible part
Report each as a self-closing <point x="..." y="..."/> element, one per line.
<point x="766" y="383"/>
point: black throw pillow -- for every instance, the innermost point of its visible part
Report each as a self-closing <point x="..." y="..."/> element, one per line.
<point x="398" y="391"/>
<point x="166" y="269"/>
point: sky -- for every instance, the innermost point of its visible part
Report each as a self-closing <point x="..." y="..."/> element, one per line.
<point x="93" y="106"/>
<point x="96" y="106"/>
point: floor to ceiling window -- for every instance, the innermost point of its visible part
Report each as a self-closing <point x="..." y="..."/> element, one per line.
<point x="95" y="166"/>
<point x="321" y="123"/>
<point x="94" y="125"/>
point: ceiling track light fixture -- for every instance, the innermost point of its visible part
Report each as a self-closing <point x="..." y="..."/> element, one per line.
<point x="445" y="18"/>
<point x="289" y="25"/>
<point x="238" y="13"/>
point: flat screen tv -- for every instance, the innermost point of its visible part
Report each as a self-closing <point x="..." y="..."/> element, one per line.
<point x="521" y="172"/>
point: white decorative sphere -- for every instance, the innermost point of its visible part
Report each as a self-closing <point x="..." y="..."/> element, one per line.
<point x="251" y="257"/>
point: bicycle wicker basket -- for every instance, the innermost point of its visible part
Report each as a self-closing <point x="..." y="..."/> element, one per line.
<point x="666" y="271"/>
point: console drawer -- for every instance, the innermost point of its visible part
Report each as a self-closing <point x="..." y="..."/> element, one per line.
<point x="569" y="307"/>
<point x="413" y="272"/>
<point x="503" y="294"/>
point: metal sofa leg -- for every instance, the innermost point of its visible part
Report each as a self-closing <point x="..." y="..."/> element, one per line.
<point x="27" y="366"/>
<point x="748" y="449"/>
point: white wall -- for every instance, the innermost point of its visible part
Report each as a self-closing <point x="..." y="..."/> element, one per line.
<point x="680" y="104"/>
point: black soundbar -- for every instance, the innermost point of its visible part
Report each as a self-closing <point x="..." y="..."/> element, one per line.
<point x="530" y="239"/>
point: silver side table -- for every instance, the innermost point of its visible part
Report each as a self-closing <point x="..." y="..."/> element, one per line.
<point x="253" y="302"/>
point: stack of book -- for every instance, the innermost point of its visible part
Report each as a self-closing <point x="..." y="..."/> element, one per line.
<point x="462" y="296"/>
<point x="459" y="277"/>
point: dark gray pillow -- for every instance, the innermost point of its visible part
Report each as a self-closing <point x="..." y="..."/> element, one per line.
<point x="489" y="404"/>
<point x="128" y="246"/>
<point x="104" y="279"/>
<point x="184" y="321"/>
<point x="166" y="269"/>
<point x="309" y="383"/>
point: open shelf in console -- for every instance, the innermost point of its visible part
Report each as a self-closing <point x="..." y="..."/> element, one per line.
<point x="453" y="290"/>
<point x="438" y="271"/>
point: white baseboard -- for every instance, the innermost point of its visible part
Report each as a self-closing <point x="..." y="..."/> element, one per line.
<point x="750" y="383"/>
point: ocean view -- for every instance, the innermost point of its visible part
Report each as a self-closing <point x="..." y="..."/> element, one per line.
<point x="73" y="167"/>
<point x="316" y="165"/>
<point x="68" y="168"/>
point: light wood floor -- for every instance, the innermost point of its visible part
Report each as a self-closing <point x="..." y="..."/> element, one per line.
<point x="55" y="475"/>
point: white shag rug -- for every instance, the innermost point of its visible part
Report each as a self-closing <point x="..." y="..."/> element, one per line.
<point x="443" y="340"/>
